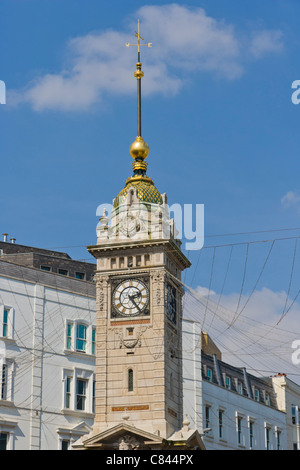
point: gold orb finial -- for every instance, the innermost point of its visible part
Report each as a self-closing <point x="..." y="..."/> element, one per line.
<point x="139" y="149"/>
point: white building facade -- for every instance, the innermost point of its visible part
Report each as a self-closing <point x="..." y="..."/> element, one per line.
<point x="47" y="358"/>
<point x="288" y="400"/>
<point x="231" y="408"/>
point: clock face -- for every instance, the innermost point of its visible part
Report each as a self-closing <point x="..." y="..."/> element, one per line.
<point x="171" y="303"/>
<point x="129" y="224"/>
<point x="131" y="297"/>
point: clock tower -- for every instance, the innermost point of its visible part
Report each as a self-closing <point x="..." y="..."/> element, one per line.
<point x="138" y="391"/>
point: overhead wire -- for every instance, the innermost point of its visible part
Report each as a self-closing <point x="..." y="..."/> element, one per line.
<point x="242" y="287"/>
<point x="259" y="358"/>
<point x="210" y="282"/>
<point x="269" y="327"/>
<point x="290" y="283"/>
<point x="223" y="285"/>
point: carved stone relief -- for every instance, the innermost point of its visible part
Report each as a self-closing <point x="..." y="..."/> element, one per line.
<point x="127" y="442"/>
<point x="157" y="282"/>
<point x="101" y="283"/>
<point x="130" y="341"/>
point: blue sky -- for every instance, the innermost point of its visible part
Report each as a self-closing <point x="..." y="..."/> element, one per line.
<point x="216" y="113"/>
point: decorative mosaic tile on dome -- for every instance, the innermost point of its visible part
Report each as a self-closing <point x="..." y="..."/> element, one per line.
<point x="147" y="192"/>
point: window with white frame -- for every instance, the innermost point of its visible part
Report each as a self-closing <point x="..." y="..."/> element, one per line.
<point x="295" y="415"/>
<point x="221" y="424"/>
<point x="207" y="416"/>
<point x="251" y="434"/>
<point x="79" y="389"/>
<point x="268" y="437"/>
<point x="68" y="382"/>
<point x="94" y="396"/>
<point x="69" y="336"/>
<point x="6" y="322"/>
<point x="80" y="337"/>
<point x="6" y="379"/>
<point x="7" y="433"/>
<point x="239" y="430"/>
<point x="81" y="329"/>
<point x="278" y="439"/>
<point x="3" y="440"/>
<point x="209" y="374"/>
<point x="65" y="444"/>
<point x="228" y="382"/>
<point x="67" y="436"/>
<point x="94" y="341"/>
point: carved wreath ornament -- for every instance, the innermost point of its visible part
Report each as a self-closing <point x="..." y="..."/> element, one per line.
<point x="128" y="342"/>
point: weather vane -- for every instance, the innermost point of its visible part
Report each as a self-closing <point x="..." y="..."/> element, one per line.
<point x="138" y="75"/>
<point x="137" y="35"/>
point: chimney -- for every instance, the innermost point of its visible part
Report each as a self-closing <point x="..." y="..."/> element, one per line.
<point x="12" y="240"/>
<point x="5" y="235"/>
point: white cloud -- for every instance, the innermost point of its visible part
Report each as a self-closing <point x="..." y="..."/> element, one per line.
<point x="263" y="305"/>
<point x="258" y="335"/>
<point x="291" y="199"/>
<point x="185" y="41"/>
<point x="188" y="39"/>
<point x="265" y="42"/>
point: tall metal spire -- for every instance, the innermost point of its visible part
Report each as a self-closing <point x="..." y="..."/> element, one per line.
<point x="139" y="74"/>
<point x="139" y="149"/>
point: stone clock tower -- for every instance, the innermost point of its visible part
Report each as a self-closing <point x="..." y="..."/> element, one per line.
<point x="138" y="395"/>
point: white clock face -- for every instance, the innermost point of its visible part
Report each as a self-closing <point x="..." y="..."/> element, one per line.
<point x="131" y="297"/>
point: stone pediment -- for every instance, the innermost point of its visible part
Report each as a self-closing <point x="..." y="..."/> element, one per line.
<point x="80" y="429"/>
<point x="120" y="437"/>
<point x="126" y="437"/>
<point x="190" y="439"/>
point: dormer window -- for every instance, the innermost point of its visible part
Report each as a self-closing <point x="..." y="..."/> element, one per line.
<point x="228" y="382"/>
<point x="63" y="272"/>
<point x="209" y="374"/>
<point x="45" y="268"/>
<point x="80" y="276"/>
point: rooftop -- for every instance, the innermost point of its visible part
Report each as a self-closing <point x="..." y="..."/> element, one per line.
<point x="46" y="260"/>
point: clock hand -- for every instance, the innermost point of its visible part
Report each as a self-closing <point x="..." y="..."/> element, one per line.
<point x="136" y="295"/>
<point x="131" y="297"/>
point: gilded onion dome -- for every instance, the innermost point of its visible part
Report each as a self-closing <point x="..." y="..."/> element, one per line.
<point x="146" y="191"/>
